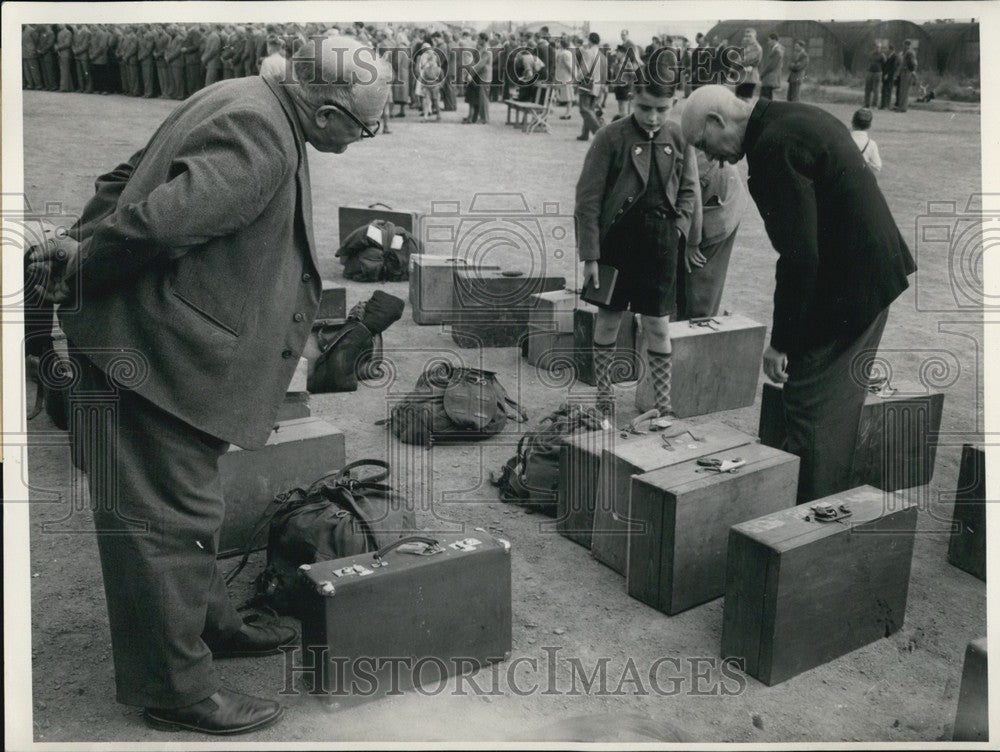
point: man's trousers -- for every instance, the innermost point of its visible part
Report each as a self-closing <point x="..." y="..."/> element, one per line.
<point x="699" y="293"/>
<point x="158" y="508"/>
<point x="823" y="399"/>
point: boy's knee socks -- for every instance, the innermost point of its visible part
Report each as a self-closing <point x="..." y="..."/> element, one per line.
<point x="603" y="360"/>
<point x="659" y="371"/>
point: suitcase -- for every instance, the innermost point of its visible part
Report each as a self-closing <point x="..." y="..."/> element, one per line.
<point x="897" y="436"/>
<point x="680" y="559"/>
<point x="715" y="365"/>
<point x="967" y="546"/>
<point x="418" y="611"/>
<point x="296" y="401"/>
<point x="297" y="453"/>
<point x="579" y="473"/>
<point x="801" y="591"/>
<point x="640" y="454"/>
<point x="351" y="218"/>
<point x="550" y="329"/>
<point x="432" y="287"/>
<point x="332" y="303"/>
<point x="492" y="306"/>
<point x="626" y="362"/>
<point x="972" y="718"/>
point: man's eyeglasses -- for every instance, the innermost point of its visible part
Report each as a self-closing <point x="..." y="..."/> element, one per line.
<point x="366" y="132"/>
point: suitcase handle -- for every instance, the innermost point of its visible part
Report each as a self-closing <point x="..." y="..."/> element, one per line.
<point x="378" y="555"/>
<point x="379" y="203"/>
<point x="344" y="475"/>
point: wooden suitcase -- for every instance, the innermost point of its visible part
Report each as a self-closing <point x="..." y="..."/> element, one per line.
<point x="801" y="591"/>
<point x="626" y="362"/>
<point x="550" y="328"/>
<point x="715" y="365"/>
<point x="680" y="559"/>
<point x="897" y="436"/>
<point x="967" y="547"/>
<point x="640" y="454"/>
<point x="579" y="474"/>
<point x="432" y="287"/>
<point x="332" y="303"/>
<point x="351" y="218"/>
<point x="297" y="453"/>
<point x="972" y="718"/>
<point x="296" y="402"/>
<point x="492" y="307"/>
<point x="422" y="612"/>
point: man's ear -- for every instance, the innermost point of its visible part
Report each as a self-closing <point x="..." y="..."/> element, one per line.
<point x="716" y="118"/>
<point x="321" y="115"/>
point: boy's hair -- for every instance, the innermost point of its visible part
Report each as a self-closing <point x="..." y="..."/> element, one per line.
<point x="594" y="37"/>
<point x="862" y="119"/>
<point x="654" y="88"/>
<point x="773" y="35"/>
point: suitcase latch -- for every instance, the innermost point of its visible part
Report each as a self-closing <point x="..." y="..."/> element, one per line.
<point x="466" y="544"/>
<point x="826" y="512"/>
<point x="704" y="322"/>
<point x="714" y="465"/>
<point x="355" y="569"/>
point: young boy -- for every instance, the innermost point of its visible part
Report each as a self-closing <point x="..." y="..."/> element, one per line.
<point x="634" y="203"/>
<point x="860" y="124"/>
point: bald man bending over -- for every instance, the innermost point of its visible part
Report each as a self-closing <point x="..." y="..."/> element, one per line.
<point x="197" y="284"/>
<point x="841" y="262"/>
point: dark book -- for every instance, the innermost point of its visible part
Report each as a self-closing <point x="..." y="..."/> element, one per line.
<point x="607" y="276"/>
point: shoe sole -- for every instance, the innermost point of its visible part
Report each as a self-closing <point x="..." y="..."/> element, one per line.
<point x="162" y="724"/>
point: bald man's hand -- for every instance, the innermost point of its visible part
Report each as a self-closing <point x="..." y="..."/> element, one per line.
<point x="53" y="263"/>
<point x="775" y="365"/>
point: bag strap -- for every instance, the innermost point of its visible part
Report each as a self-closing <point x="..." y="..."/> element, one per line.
<point x="519" y="416"/>
<point x="346" y="499"/>
<point x="279" y="502"/>
<point x="344" y="474"/>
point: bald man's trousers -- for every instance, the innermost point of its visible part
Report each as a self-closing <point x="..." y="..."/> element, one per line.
<point x="158" y="508"/>
<point x="822" y="401"/>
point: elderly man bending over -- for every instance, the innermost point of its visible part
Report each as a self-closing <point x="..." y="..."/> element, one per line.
<point x="841" y="262"/>
<point x="197" y="284"/>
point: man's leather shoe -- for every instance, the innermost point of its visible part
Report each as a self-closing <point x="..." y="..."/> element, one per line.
<point x="225" y="712"/>
<point x="255" y="639"/>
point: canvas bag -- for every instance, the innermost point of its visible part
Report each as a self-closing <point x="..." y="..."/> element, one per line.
<point x="378" y="252"/>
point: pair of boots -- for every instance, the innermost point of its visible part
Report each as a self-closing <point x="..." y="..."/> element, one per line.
<point x="659" y="371"/>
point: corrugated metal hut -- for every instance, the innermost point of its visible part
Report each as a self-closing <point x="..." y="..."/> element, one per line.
<point x="732" y="31"/>
<point x="858" y="38"/>
<point x="957" y="48"/>
<point x="825" y="49"/>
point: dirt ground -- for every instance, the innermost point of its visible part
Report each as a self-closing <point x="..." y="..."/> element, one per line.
<point x="902" y="688"/>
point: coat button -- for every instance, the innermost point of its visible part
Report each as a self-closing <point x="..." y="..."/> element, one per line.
<point x="299" y="317"/>
<point x="629" y="199"/>
<point x="286" y="354"/>
<point x="306" y="277"/>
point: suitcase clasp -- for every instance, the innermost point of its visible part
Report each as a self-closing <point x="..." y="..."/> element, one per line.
<point x="826" y="512"/>
<point x="704" y="322"/>
<point x="466" y="544"/>
<point x="354" y="569"/>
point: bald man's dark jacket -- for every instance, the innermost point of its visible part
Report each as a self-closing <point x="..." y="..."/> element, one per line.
<point x="842" y="259"/>
<point x="199" y="278"/>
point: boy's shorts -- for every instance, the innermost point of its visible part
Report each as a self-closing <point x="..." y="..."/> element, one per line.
<point x="643" y="248"/>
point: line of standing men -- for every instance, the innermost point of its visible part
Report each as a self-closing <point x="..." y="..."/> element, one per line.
<point x="894" y="72"/>
<point x="142" y="60"/>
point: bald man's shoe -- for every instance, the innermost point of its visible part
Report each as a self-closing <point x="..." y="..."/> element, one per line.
<point x="255" y="639"/>
<point x="225" y="712"/>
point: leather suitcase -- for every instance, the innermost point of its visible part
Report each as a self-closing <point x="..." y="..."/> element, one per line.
<point x="640" y="454"/>
<point x="351" y="218"/>
<point x="492" y="307"/>
<point x="897" y="436"/>
<point x="626" y="361"/>
<point x="972" y="718"/>
<point x="579" y="474"/>
<point x="332" y="303"/>
<point x="432" y="287"/>
<point x="422" y="613"/>
<point x="801" y="591"/>
<point x="967" y="547"/>
<point x="716" y="365"/>
<point x="297" y="453"/>
<point x="550" y="328"/>
<point x="680" y="559"/>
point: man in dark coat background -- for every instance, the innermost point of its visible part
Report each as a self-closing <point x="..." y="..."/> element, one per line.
<point x="841" y="262"/>
<point x="195" y="279"/>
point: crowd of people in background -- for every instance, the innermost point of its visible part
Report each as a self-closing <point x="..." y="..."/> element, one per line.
<point x="175" y="60"/>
